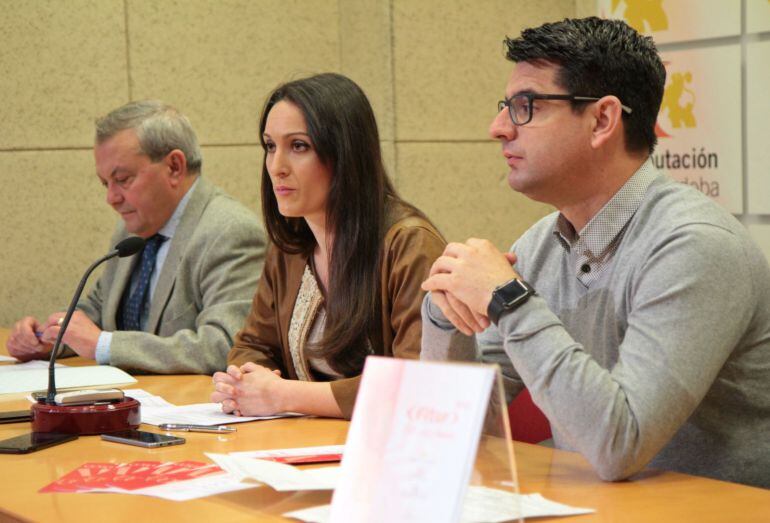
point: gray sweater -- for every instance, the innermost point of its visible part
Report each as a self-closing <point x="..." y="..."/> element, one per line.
<point x="662" y="359"/>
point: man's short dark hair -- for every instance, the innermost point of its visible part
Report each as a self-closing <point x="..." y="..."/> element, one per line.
<point x="598" y="57"/>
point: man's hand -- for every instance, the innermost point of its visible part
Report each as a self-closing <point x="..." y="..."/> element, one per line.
<point x="458" y="313"/>
<point x="82" y="334"/>
<point x="462" y="280"/>
<point x="24" y="344"/>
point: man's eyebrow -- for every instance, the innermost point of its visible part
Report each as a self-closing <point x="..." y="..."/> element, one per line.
<point x="117" y="170"/>
<point x="112" y="174"/>
<point x="524" y="91"/>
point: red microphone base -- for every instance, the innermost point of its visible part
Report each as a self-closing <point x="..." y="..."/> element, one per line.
<point x="86" y="419"/>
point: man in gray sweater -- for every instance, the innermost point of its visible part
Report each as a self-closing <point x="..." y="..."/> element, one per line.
<point x="638" y="315"/>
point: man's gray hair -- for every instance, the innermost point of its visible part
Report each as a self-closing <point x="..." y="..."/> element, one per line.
<point x="160" y="128"/>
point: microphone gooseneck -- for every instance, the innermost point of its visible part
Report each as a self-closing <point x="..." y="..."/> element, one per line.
<point x="127" y="247"/>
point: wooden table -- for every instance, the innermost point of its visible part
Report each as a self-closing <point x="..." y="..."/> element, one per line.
<point x="561" y="476"/>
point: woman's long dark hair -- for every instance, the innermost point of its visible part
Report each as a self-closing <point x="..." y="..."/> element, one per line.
<point x="342" y="127"/>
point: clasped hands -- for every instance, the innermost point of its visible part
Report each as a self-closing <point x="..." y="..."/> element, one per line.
<point x="248" y="390"/>
<point x="31" y="339"/>
<point x="462" y="279"/>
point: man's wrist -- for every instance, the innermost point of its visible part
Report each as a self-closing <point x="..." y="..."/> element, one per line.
<point x="102" y="351"/>
<point x="436" y="315"/>
<point x="508" y="297"/>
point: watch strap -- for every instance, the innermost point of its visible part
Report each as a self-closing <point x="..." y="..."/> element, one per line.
<point x="499" y="304"/>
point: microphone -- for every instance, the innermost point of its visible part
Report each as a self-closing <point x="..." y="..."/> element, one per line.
<point x="127" y="247"/>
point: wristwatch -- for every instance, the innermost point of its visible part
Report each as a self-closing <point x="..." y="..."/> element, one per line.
<point x="507" y="297"/>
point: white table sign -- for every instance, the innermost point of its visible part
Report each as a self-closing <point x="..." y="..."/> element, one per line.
<point x="412" y="442"/>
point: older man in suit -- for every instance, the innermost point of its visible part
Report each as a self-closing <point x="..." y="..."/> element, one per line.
<point x="176" y="307"/>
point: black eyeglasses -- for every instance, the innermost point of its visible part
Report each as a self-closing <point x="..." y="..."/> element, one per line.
<point x="520" y="105"/>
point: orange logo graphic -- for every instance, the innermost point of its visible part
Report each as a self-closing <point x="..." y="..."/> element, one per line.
<point x="678" y="103"/>
<point x="644" y="15"/>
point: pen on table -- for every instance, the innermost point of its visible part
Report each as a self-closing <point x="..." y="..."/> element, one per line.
<point x="218" y="429"/>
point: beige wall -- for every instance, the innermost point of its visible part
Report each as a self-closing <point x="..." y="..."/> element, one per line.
<point x="433" y="70"/>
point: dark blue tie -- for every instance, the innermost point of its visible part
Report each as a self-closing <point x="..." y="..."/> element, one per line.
<point x="137" y="301"/>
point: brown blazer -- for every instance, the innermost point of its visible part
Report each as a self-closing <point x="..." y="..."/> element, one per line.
<point x="412" y="244"/>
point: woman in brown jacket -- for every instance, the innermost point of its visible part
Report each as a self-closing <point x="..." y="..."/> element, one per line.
<point x="342" y="277"/>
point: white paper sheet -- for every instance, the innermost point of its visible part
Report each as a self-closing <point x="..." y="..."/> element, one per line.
<point x="7" y="358"/>
<point x="66" y="378"/>
<point x="27" y="365"/>
<point x="493" y="505"/>
<point x="279" y="476"/>
<point x="198" y="414"/>
<point x="189" y="489"/>
<point x="481" y="504"/>
<point x="146" y="399"/>
<point x="285" y="453"/>
<point x="319" y="514"/>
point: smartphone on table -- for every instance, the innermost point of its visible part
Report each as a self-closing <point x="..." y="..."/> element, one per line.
<point x="15" y="416"/>
<point x="141" y="438"/>
<point x="33" y="441"/>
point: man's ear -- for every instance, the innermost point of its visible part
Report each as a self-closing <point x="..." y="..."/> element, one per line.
<point x="177" y="165"/>
<point x="607" y="115"/>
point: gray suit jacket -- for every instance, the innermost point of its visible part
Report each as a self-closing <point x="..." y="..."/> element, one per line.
<point x="202" y="296"/>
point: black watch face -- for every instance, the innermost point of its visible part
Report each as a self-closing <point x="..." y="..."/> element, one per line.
<point x="512" y="292"/>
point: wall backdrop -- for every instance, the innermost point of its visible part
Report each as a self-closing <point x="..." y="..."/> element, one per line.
<point x="433" y="69"/>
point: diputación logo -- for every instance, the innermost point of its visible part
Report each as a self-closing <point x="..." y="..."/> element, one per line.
<point x="677" y="116"/>
<point x="643" y="15"/>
